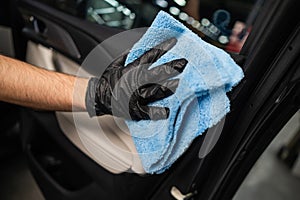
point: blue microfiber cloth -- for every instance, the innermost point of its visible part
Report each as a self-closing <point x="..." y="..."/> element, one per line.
<point x="199" y="102"/>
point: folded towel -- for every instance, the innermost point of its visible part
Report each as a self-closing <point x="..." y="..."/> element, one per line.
<point x="199" y="102"/>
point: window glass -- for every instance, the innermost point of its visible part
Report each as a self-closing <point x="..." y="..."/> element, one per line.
<point x="224" y="23"/>
<point x="111" y="13"/>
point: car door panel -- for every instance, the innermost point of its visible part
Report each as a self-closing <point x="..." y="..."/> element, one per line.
<point x="253" y="109"/>
<point x="49" y="34"/>
<point x="72" y="36"/>
<point x="112" y="148"/>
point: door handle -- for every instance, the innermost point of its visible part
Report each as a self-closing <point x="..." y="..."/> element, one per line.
<point x="51" y="34"/>
<point x="35" y="30"/>
<point x="38" y="25"/>
<point x="175" y="192"/>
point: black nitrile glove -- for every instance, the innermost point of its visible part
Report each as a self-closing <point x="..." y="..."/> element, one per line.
<point x="126" y="91"/>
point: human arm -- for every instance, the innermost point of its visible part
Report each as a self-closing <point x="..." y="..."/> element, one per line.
<point x="30" y="86"/>
<point x="122" y="91"/>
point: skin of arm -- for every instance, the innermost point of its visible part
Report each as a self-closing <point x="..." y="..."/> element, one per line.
<point x="30" y="86"/>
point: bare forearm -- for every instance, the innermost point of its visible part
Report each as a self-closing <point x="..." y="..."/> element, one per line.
<point x="26" y="85"/>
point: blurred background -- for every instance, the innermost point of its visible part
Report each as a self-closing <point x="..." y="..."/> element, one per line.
<point x="223" y="23"/>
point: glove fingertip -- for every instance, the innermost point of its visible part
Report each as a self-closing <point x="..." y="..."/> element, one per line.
<point x="180" y="64"/>
<point x="169" y="44"/>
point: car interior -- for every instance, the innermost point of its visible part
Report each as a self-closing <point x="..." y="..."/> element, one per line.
<point x="72" y="156"/>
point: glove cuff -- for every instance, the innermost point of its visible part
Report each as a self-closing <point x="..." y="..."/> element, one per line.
<point x="90" y="97"/>
<point x="93" y="104"/>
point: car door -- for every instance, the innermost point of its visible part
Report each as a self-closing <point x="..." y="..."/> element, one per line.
<point x="60" y="38"/>
<point x="261" y="105"/>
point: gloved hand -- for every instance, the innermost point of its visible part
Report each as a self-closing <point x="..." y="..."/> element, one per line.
<point x="126" y="91"/>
